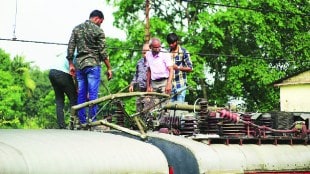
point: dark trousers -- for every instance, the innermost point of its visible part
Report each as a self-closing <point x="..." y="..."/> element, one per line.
<point x="63" y="85"/>
<point x="140" y="100"/>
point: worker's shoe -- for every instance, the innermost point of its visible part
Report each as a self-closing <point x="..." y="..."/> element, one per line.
<point x="100" y="128"/>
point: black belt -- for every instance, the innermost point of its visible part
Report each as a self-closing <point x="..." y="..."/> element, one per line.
<point x="160" y="79"/>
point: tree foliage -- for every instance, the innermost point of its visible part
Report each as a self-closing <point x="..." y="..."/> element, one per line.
<point x="13" y="87"/>
<point x="245" y="45"/>
<point x="238" y="49"/>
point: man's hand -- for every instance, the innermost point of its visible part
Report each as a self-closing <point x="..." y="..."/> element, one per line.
<point x="149" y="89"/>
<point x="109" y="74"/>
<point x="131" y="88"/>
<point x="168" y="88"/>
<point x="71" y="69"/>
<point x="175" y="67"/>
<point x="107" y="64"/>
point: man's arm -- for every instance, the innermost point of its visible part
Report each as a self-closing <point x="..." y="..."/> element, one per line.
<point x="109" y="69"/>
<point x="102" y="46"/>
<point x="148" y="80"/>
<point x="134" y="79"/>
<point x="186" y="61"/>
<point x="71" y="68"/>
<point x="182" y="68"/>
<point x="70" y="53"/>
<point x="71" y="46"/>
<point x="169" y="81"/>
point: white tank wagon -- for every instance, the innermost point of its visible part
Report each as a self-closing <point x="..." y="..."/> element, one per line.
<point x="189" y="156"/>
<point x="65" y="151"/>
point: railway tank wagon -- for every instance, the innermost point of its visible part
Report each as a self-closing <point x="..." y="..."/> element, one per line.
<point x="207" y="142"/>
<point x="226" y="142"/>
<point x="189" y="156"/>
<point x="65" y="151"/>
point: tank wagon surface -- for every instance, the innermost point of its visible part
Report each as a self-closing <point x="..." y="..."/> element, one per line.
<point x="163" y="139"/>
<point x="66" y="151"/>
<point x="189" y="156"/>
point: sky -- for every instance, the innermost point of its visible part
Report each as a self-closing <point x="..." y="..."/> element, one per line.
<point x="47" y="21"/>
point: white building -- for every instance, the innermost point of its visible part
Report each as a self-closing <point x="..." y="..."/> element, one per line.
<point x="295" y="92"/>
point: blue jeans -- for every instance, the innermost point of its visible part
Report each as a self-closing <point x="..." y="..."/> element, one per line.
<point x="181" y="96"/>
<point x="88" y="87"/>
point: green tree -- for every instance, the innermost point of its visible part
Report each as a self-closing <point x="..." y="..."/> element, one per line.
<point x="245" y="45"/>
<point x="41" y="106"/>
<point x="20" y="100"/>
<point x="11" y="94"/>
<point x="254" y="47"/>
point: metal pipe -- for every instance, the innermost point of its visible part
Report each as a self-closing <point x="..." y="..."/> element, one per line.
<point x="114" y="96"/>
<point x="73" y="115"/>
<point x="180" y="106"/>
<point x="117" y="127"/>
<point x="235" y="118"/>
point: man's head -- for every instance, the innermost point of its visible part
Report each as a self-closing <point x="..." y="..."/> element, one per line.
<point x="155" y="45"/>
<point x="97" y="17"/>
<point x="172" y="40"/>
<point x="145" y="48"/>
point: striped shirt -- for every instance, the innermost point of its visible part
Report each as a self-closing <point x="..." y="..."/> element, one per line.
<point x="180" y="58"/>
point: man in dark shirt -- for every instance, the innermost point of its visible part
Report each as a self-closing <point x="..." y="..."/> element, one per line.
<point x="89" y="41"/>
<point x="139" y="79"/>
<point x="140" y="75"/>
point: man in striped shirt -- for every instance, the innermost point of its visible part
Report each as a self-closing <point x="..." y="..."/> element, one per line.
<point x="181" y="65"/>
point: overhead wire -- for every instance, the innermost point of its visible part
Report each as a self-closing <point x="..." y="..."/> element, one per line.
<point x="215" y="56"/>
<point x="246" y="8"/>
<point x="189" y="1"/>
<point x="32" y="41"/>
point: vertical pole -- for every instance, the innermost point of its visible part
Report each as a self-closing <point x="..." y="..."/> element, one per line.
<point x="147" y="22"/>
<point x="203" y="88"/>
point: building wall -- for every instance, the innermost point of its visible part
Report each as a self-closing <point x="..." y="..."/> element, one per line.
<point x="295" y="98"/>
<point x="298" y="79"/>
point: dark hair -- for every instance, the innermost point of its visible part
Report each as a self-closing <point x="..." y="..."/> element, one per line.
<point x="172" y="37"/>
<point x="96" y="13"/>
